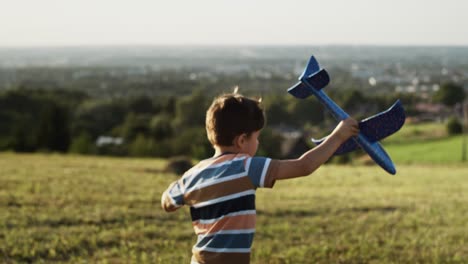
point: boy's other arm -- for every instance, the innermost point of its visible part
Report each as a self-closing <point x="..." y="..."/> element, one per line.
<point x="166" y="203"/>
<point x="172" y="198"/>
<point x="314" y="158"/>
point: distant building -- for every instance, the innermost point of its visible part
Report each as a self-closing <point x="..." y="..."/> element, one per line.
<point x="431" y="112"/>
<point x="294" y="142"/>
<point x="107" y="140"/>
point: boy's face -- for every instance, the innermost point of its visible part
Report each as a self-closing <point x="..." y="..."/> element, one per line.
<point x="250" y="145"/>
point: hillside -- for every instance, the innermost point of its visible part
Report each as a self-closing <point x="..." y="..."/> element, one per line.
<point x="62" y="209"/>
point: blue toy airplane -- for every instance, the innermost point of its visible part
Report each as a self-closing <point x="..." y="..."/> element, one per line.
<point x="372" y="129"/>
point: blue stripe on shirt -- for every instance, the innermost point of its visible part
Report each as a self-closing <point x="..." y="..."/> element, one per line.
<point x="212" y="174"/>
<point x="226" y="241"/>
<point x="255" y="169"/>
<point x="219" y="209"/>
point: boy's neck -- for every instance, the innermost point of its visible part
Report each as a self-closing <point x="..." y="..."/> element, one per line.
<point x="219" y="150"/>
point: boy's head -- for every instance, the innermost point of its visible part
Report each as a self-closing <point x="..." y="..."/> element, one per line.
<point x="231" y="115"/>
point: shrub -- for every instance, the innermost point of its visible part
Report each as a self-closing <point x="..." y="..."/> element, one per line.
<point x="83" y="144"/>
<point x="454" y="126"/>
<point x="178" y="165"/>
<point x="342" y="159"/>
<point x="141" y="146"/>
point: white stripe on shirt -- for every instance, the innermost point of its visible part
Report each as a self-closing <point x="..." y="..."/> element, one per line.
<point x="196" y="171"/>
<point x="223" y="250"/>
<point x="247" y="166"/>
<point x="210" y="221"/>
<point x="265" y="169"/>
<point x="224" y="198"/>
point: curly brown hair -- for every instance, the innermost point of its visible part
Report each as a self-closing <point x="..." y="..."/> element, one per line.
<point x="231" y="115"/>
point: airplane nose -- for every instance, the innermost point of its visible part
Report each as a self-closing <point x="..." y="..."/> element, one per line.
<point x="377" y="153"/>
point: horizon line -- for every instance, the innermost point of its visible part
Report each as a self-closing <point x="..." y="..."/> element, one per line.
<point x="226" y="45"/>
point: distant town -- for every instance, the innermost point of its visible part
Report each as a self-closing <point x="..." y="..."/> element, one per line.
<point x="147" y="101"/>
<point x="399" y="69"/>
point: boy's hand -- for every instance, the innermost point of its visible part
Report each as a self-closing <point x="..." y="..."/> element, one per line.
<point x="346" y="129"/>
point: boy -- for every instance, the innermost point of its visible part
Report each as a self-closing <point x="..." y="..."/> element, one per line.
<point x="221" y="190"/>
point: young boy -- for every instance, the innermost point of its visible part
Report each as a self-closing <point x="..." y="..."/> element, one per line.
<point x="221" y="190"/>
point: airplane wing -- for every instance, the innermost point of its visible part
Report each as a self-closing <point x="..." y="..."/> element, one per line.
<point x="375" y="128"/>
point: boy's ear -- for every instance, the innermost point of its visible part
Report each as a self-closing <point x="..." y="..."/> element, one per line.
<point x="240" y="140"/>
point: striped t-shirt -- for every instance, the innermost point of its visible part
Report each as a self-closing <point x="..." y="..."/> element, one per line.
<point x="221" y="194"/>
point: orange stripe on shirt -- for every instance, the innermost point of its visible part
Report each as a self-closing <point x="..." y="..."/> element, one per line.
<point x="218" y="190"/>
<point x="205" y="257"/>
<point x="236" y="222"/>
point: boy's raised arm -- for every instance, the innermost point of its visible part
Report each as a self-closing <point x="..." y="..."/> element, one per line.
<point x="314" y="158"/>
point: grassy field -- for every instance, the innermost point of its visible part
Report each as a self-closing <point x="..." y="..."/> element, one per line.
<point x="76" y="209"/>
<point x="425" y="144"/>
<point x="435" y="151"/>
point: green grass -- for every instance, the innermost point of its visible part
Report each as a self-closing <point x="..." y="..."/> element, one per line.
<point x="426" y="143"/>
<point x="411" y="133"/>
<point x="439" y="151"/>
<point x="76" y="209"/>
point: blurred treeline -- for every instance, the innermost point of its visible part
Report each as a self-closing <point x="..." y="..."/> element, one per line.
<point x="72" y="121"/>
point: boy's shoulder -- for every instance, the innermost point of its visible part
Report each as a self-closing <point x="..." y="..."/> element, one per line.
<point x="217" y="161"/>
<point x="226" y="169"/>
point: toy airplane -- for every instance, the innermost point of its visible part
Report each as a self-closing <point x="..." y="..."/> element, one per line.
<point x="372" y="129"/>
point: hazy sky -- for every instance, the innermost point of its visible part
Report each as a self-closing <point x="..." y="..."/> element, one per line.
<point x="212" y="22"/>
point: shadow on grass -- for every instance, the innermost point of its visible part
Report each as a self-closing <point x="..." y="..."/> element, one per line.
<point x="312" y="213"/>
<point x="289" y="212"/>
<point x="68" y="222"/>
<point x="377" y="209"/>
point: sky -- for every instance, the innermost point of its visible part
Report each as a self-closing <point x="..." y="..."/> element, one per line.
<point x="234" y="22"/>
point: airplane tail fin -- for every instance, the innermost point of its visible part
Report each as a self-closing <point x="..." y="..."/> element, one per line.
<point x="311" y="68"/>
<point x="317" y="80"/>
